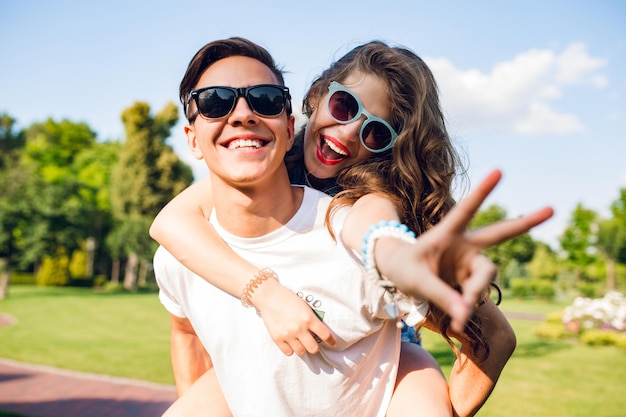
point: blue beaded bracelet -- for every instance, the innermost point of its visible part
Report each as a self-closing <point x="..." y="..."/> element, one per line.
<point x="384" y="228"/>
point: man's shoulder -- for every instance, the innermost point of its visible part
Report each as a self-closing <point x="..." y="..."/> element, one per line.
<point x="164" y="260"/>
<point x="315" y="195"/>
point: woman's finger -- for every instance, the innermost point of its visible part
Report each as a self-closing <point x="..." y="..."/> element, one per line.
<point x="499" y="232"/>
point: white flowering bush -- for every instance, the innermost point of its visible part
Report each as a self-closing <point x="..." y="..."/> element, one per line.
<point x="607" y="313"/>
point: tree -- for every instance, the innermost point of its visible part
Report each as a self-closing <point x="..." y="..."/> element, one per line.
<point x="12" y="204"/>
<point x="61" y="209"/>
<point x="578" y="240"/>
<point x="147" y="175"/>
<point x="11" y="141"/>
<point x="544" y="264"/>
<point x="612" y="238"/>
<point x="510" y="254"/>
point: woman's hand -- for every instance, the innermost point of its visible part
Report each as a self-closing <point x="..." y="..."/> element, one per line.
<point x="290" y="321"/>
<point x="449" y="254"/>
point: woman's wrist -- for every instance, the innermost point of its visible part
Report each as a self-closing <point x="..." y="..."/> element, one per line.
<point x="253" y="291"/>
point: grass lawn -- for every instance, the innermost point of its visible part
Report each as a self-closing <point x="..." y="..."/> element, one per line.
<point x="127" y="335"/>
<point x="124" y="335"/>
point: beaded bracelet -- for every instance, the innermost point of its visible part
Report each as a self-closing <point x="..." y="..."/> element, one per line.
<point x="254" y="283"/>
<point x="385" y="229"/>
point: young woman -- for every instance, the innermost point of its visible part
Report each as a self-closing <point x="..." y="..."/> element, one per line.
<point x="375" y="131"/>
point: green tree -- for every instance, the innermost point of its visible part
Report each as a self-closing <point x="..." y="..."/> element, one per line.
<point x="147" y="175"/>
<point x="509" y="256"/>
<point x="60" y="216"/>
<point x="11" y="141"/>
<point x="12" y="204"/>
<point x="578" y="240"/>
<point x="544" y="264"/>
<point x="612" y="238"/>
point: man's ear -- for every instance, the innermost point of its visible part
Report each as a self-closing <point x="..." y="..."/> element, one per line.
<point x="192" y="142"/>
<point x="291" y="131"/>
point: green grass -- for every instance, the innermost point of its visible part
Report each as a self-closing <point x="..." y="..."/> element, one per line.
<point x="127" y="335"/>
<point x="547" y="378"/>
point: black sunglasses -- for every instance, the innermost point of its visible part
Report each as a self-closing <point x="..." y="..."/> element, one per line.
<point x="266" y="100"/>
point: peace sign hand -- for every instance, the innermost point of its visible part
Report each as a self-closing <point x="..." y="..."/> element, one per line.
<point x="449" y="254"/>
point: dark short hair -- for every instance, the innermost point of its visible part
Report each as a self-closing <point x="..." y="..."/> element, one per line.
<point x="220" y="49"/>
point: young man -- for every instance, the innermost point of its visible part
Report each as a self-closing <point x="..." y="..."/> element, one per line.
<point x="243" y="133"/>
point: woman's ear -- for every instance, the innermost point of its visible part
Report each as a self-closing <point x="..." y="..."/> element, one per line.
<point x="192" y="142"/>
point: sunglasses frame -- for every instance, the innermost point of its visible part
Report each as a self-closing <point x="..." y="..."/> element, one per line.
<point x="239" y="92"/>
<point x="369" y="118"/>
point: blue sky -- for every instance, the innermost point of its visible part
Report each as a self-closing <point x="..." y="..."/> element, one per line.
<point x="536" y="88"/>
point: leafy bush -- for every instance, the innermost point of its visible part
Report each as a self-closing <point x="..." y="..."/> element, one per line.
<point x="519" y="287"/>
<point x="54" y="270"/>
<point x="543" y="289"/>
<point x="553" y="331"/>
<point x="587" y="289"/>
<point x="22" y="278"/>
<point x="595" y="337"/>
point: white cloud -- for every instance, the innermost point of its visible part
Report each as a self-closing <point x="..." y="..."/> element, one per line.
<point x="574" y="64"/>
<point x="541" y="119"/>
<point x="518" y="95"/>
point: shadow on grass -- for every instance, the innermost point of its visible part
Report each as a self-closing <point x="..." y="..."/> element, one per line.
<point x="539" y="348"/>
<point x="445" y="356"/>
<point x="33" y="292"/>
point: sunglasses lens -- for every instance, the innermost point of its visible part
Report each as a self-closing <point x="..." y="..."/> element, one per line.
<point x="376" y="135"/>
<point x="215" y="102"/>
<point x="266" y="100"/>
<point x="343" y="106"/>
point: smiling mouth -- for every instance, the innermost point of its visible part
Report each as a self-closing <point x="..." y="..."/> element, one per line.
<point x="331" y="151"/>
<point x="246" y="144"/>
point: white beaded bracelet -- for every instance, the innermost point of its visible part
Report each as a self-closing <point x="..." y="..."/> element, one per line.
<point x="385" y="229"/>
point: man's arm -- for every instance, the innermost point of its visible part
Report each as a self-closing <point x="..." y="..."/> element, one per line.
<point x="189" y="358"/>
<point x="472" y="380"/>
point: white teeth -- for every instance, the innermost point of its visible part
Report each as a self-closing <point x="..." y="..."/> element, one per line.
<point x="335" y="147"/>
<point x="245" y="143"/>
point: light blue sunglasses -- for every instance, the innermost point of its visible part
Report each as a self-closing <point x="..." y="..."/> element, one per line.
<point x="344" y="107"/>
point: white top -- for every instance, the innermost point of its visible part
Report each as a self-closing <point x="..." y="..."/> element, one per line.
<point x="356" y="378"/>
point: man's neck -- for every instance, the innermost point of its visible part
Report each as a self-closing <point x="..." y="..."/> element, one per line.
<point x="256" y="210"/>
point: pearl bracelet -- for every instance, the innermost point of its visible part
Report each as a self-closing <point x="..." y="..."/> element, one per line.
<point x="385" y="229"/>
<point x="254" y="283"/>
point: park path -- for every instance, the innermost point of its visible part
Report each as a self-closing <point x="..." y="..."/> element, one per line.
<point x="42" y="391"/>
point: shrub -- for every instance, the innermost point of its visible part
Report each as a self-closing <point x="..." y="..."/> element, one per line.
<point x="543" y="289"/>
<point x="519" y="287"/>
<point x="22" y="278"/>
<point x="587" y="289"/>
<point x="595" y="337"/>
<point x="78" y="265"/>
<point x="607" y="313"/>
<point x="551" y="330"/>
<point x="54" y="270"/>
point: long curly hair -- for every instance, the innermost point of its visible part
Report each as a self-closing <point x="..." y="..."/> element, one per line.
<point x="417" y="173"/>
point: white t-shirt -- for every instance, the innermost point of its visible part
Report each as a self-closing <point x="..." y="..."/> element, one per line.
<point x="356" y="378"/>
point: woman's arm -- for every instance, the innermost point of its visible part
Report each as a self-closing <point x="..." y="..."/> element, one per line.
<point x="446" y="254"/>
<point x="183" y="229"/>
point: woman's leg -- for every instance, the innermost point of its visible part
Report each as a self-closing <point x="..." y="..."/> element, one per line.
<point x="203" y="399"/>
<point x="421" y="388"/>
